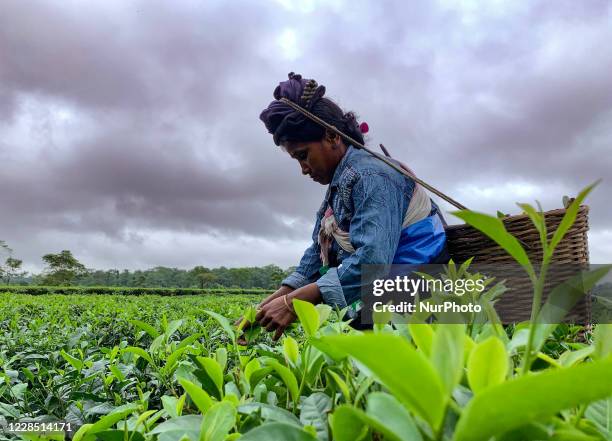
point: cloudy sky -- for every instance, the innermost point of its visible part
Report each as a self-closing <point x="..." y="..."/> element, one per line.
<point x="129" y="130"/>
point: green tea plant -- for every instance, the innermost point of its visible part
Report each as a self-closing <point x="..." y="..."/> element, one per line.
<point x="173" y="368"/>
<point x="460" y="388"/>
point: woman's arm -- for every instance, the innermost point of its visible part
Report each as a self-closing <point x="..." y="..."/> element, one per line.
<point x="379" y="205"/>
<point x="308" y="269"/>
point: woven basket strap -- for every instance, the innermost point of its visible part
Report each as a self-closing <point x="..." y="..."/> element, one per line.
<point x="375" y="154"/>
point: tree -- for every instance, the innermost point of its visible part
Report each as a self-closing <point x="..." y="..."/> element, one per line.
<point x="11" y="266"/>
<point x="62" y="268"/>
<point x="203" y="275"/>
<point x="11" y="269"/>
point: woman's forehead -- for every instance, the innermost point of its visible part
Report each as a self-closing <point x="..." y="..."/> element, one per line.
<point x="296" y="146"/>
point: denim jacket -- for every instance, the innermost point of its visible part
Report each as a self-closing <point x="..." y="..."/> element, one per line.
<point x="369" y="200"/>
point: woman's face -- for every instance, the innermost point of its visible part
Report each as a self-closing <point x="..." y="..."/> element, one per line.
<point x="318" y="159"/>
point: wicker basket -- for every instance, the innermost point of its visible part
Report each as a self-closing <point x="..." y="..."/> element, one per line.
<point x="571" y="253"/>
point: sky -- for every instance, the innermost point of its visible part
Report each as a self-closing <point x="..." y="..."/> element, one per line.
<point x="129" y="130"/>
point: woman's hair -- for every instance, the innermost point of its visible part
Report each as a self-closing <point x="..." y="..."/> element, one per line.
<point x="287" y="124"/>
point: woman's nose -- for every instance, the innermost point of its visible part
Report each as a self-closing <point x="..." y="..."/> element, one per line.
<point x="305" y="168"/>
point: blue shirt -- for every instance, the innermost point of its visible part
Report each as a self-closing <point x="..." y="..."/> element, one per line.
<point x="369" y="200"/>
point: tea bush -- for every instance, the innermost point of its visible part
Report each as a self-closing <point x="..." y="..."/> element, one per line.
<point x="128" y="291"/>
<point x="171" y="368"/>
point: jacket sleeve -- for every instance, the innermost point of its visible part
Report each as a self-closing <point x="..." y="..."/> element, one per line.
<point x="308" y="269"/>
<point x="379" y="206"/>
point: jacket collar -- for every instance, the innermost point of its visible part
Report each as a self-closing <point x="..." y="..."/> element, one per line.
<point x="350" y="151"/>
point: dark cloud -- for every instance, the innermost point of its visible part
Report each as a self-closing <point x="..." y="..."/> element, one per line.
<point x="129" y="131"/>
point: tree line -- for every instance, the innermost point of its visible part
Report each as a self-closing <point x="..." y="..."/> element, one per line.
<point x="63" y="269"/>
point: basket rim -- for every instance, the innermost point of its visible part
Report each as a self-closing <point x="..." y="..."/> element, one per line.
<point x="583" y="210"/>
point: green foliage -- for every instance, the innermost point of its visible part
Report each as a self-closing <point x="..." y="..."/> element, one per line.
<point x="266" y="277"/>
<point x="278" y="431"/>
<point x="164" y="367"/>
<point x="487" y="365"/>
<point x="308" y="316"/>
<point x="106" y="290"/>
<point x="389" y="358"/>
<point x="62" y="268"/>
<point x="494" y="228"/>
<point x="533" y="398"/>
<point x="218" y="421"/>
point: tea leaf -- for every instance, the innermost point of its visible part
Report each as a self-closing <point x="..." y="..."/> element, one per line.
<point x="225" y="324"/>
<point x="393" y="419"/>
<point x="488" y="365"/>
<point x="277" y="431"/>
<point x="494" y="229"/>
<point x="532" y="398"/>
<point x="347" y="424"/>
<point x="287" y="377"/>
<point x="422" y="334"/>
<point x="291" y="350"/>
<point x="600" y="413"/>
<point x="384" y="414"/>
<point x="308" y="315"/>
<point x="198" y="395"/>
<point x="447" y="354"/>
<point x="145" y="327"/>
<point x="251" y="367"/>
<point x="169" y="404"/>
<point x="221" y="357"/>
<point x="185" y="425"/>
<point x="140" y="352"/>
<point x="212" y="368"/>
<point x="324" y="311"/>
<point x="111" y="419"/>
<point x="332" y="351"/>
<point x="538" y="221"/>
<point x="570" y="358"/>
<point x="603" y="340"/>
<point x="258" y="375"/>
<point x="314" y="413"/>
<point x="271" y="413"/>
<point x="74" y="362"/>
<point x="341" y="385"/>
<point x="80" y="434"/>
<point x="562" y="299"/>
<point x="115" y="435"/>
<point x="217" y="422"/>
<point x="173" y="326"/>
<point x="389" y="357"/>
<point x="117" y="373"/>
<point x="568" y="219"/>
<point x="173" y="359"/>
<point x="10" y="411"/>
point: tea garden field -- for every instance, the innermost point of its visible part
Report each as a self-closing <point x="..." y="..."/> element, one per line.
<point x="170" y="368"/>
<point x="149" y="367"/>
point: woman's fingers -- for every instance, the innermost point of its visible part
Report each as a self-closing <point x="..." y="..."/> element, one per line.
<point x="279" y="331"/>
<point x="265" y="320"/>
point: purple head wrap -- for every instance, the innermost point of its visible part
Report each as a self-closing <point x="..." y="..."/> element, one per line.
<point x="278" y="117"/>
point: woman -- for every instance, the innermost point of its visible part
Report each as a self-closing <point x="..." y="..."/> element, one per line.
<point x="371" y="213"/>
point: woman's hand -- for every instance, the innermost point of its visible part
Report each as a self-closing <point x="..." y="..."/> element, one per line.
<point x="276" y="315"/>
<point x="283" y="290"/>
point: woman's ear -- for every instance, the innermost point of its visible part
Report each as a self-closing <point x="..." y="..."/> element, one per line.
<point x="333" y="138"/>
